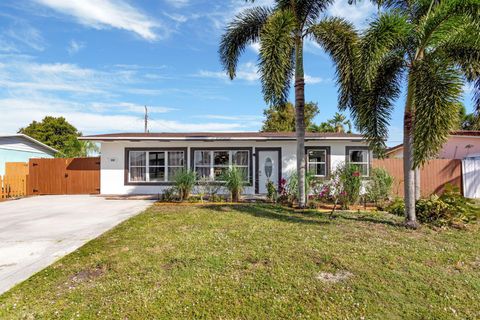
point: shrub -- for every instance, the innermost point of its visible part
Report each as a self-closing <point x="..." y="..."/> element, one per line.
<point x="169" y="194"/>
<point x="433" y="210"/>
<point x="289" y="189"/>
<point x="282" y="191"/>
<point x="234" y="182"/>
<point x="202" y="188"/>
<point x="451" y="208"/>
<point x="379" y="187"/>
<point x="465" y="210"/>
<point x="272" y="193"/>
<point x="184" y="182"/>
<point x="396" y="207"/>
<point x="343" y="187"/>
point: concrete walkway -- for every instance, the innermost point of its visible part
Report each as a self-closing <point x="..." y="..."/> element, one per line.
<point x="34" y="232"/>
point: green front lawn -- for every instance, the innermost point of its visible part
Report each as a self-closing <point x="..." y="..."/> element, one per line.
<point x="258" y="261"/>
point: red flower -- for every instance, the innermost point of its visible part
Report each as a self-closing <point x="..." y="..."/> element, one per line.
<point x="356" y="174"/>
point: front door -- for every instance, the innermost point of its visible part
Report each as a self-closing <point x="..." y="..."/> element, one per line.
<point x="267" y="169"/>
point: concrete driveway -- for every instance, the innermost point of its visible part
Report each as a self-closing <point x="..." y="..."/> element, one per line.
<point x="34" y="232"/>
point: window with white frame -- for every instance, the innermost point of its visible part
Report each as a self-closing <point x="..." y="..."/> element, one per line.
<point x="317" y="162"/>
<point x="361" y="159"/>
<point x="214" y="163"/>
<point x="154" y="165"/>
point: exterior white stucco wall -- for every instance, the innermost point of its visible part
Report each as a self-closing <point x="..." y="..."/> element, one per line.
<point x="112" y="177"/>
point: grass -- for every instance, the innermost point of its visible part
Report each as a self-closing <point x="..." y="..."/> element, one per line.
<point x="258" y="262"/>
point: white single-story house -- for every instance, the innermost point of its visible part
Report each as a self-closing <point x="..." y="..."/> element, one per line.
<point x="145" y="163"/>
<point x="20" y="148"/>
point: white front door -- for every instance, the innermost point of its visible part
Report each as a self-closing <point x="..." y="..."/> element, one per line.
<point x="267" y="168"/>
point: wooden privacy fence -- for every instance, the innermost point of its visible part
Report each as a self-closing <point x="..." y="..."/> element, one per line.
<point x="14" y="183"/>
<point x="433" y="175"/>
<point x="13" y="186"/>
<point x="64" y="176"/>
<point x="16" y="169"/>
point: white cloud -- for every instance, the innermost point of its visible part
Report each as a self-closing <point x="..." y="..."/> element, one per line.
<point x="357" y="14"/>
<point x="90" y="119"/>
<point x="91" y="99"/>
<point x="230" y="118"/>
<point x="23" y="76"/>
<point x="7" y="46"/>
<point x="249" y="72"/>
<point x="75" y="46"/>
<point x="313" y="80"/>
<point x="21" y="32"/>
<point x="246" y="71"/>
<point x="100" y="14"/>
<point x="255" y="47"/>
<point x="128" y="107"/>
<point x="179" y="18"/>
<point x="178" y="3"/>
<point x="26" y="76"/>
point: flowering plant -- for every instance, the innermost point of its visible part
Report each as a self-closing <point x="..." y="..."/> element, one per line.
<point x="342" y="188"/>
<point x="282" y="187"/>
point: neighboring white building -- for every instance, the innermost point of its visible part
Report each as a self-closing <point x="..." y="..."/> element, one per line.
<point x="20" y="148"/>
<point x="144" y="163"/>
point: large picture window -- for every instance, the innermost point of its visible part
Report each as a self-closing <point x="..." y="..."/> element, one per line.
<point x="361" y="158"/>
<point x="214" y="163"/>
<point x="154" y="165"/>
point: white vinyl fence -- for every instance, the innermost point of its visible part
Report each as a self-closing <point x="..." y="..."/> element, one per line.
<point x="471" y="177"/>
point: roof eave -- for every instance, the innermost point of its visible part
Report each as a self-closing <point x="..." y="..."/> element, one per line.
<point x="112" y="139"/>
<point x="32" y="140"/>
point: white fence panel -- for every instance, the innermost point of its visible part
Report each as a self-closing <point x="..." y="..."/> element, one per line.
<point x="471" y="177"/>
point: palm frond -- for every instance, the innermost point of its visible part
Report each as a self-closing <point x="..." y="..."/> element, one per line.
<point x="243" y="30"/>
<point x="444" y="16"/>
<point x="375" y="103"/>
<point x="340" y="40"/>
<point x="309" y="11"/>
<point x="476" y="98"/>
<point x="276" y="56"/>
<point x="462" y="48"/>
<point x="389" y="32"/>
<point x="437" y="87"/>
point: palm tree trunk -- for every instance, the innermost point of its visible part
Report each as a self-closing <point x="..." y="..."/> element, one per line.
<point x="418" y="193"/>
<point x="408" y="172"/>
<point x="300" y="119"/>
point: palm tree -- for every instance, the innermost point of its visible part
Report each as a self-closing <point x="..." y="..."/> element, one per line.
<point x="339" y="121"/>
<point x="336" y="124"/>
<point x="281" y="31"/>
<point x="430" y="46"/>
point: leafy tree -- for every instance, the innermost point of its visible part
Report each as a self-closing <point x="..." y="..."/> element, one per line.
<point x="467" y="121"/>
<point x="432" y="45"/>
<point x="282" y="118"/>
<point x="58" y="133"/>
<point x="281" y="31"/>
<point x="336" y="124"/>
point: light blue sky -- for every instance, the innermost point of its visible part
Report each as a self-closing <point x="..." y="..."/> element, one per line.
<point x="97" y="62"/>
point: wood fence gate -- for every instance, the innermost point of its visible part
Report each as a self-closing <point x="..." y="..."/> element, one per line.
<point x="64" y="176"/>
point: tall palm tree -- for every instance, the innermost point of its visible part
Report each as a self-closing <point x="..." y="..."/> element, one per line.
<point x="281" y="31"/>
<point x="339" y="121"/>
<point x="431" y="47"/>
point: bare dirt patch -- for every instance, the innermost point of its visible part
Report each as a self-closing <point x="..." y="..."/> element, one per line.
<point x="88" y="274"/>
<point x="334" y="277"/>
